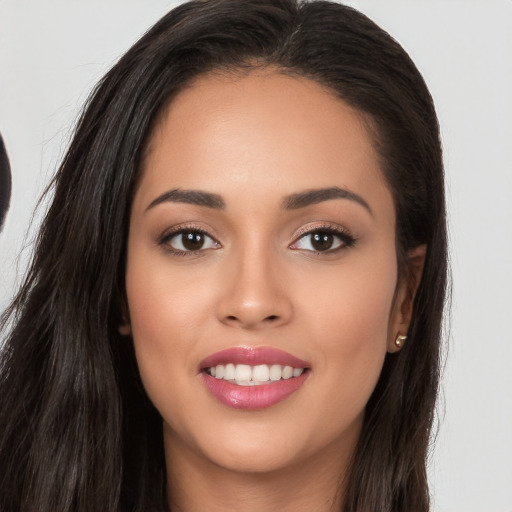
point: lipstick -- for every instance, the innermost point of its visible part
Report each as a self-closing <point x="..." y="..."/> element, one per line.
<point x="253" y="378"/>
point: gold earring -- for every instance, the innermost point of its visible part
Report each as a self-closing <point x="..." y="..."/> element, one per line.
<point x="400" y="340"/>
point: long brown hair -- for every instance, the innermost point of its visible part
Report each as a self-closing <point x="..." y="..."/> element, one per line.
<point x="5" y="182"/>
<point x="77" y="432"/>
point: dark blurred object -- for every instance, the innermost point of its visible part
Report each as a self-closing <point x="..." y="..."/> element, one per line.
<point x="5" y="182"/>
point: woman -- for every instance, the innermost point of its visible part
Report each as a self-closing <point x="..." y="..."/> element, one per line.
<point x="236" y="296"/>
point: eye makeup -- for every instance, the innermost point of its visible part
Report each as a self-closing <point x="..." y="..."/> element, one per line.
<point x="187" y="240"/>
<point x="321" y="240"/>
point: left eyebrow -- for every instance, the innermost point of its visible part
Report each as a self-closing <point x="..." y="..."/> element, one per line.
<point x="319" y="195"/>
<point x="197" y="197"/>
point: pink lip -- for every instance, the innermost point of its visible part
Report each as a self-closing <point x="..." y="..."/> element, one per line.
<point x="252" y="397"/>
<point x="253" y="356"/>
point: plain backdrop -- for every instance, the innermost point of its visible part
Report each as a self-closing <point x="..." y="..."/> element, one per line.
<point x="53" y="52"/>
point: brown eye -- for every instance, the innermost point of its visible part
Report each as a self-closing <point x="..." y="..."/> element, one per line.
<point x="192" y="241"/>
<point x="189" y="241"/>
<point x="322" y="241"/>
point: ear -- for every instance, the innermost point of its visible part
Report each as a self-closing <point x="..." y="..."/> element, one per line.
<point x="403" y="303"/>
<point x="125" y="328"/>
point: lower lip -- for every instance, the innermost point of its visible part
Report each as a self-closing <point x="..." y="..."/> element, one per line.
<point x="252" y="397"/>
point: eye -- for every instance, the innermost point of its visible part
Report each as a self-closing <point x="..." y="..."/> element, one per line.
<point x="188" y="241"/>
<point x="324" y="240"/>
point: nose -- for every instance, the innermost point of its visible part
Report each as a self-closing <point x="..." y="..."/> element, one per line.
<point x="255" y="292"/>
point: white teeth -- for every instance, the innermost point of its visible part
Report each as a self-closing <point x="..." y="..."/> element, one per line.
<point x="229" y="371"/>
<point x="245" y="382"/>
<point x="275" y="372"/>
<point x="261" y="372"/>
<point x="245" y="375"/>
<point x="243" y="372"/>
<point x="219" y="371"/>
<point x="287" y="372"/>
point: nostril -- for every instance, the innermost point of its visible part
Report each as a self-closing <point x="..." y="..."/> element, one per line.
<point x="270" y="318"/>
<point x="250" y="319"/>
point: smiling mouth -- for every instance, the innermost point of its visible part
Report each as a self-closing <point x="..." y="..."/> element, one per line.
<point x="247" y="375"/>
<point x="253" y="378"/>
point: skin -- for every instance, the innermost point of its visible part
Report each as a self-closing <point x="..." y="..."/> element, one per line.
<point x="254" y="140"/>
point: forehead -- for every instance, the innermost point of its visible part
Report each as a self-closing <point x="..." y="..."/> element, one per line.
<point x="260" y="129"/>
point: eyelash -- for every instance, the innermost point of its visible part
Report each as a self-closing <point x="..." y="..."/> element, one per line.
<point x="346" y="238"/>
<point x="168" y="236"/>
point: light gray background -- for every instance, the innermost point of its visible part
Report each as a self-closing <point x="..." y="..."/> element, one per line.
<point x="52" y="53"/>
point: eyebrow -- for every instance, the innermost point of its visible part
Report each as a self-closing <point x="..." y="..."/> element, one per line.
<point x="196" y="197"/>
<point x="291" y="202"/>
<point x="319" y="195"/>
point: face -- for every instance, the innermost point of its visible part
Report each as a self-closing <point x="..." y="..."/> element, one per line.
<point x="261" y="277"/>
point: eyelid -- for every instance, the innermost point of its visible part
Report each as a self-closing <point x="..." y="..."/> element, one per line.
<point x="348" y="240"/>
<point x="174" y="231"/>
<point x="321" y="226"/>
<point x="344" y="235"/>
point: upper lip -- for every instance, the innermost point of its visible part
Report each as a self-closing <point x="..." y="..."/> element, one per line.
<point x="252" y="356"/>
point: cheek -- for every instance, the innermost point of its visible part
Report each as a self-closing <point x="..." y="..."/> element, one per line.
<point x="164" y="303"/>
<point x="354" y="304"/>
<point x="165" y="316"/>
<point x="350" y="320"/>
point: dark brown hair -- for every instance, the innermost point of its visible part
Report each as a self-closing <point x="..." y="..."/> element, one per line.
<point x="5" y="182"/>
<point x="77" y="432"/>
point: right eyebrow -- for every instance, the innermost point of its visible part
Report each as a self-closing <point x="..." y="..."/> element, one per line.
<point x="315" y="196"/>
<point x="197" y="197"/>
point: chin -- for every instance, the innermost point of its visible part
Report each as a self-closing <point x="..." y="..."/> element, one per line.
<point x="251" y="459"/>
<point x="249" y="445"/>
